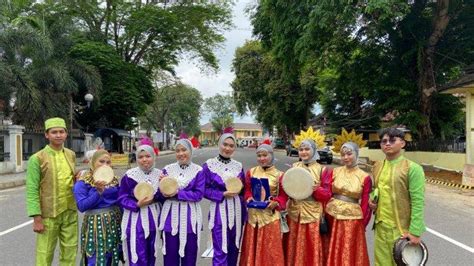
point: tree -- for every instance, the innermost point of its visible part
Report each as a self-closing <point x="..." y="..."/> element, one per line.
<point x="155" y="34"/>
<point x="221" y="109"/>
<point x="372" y="57"/>
<point x="126" y="87"/>
<point x="37" y="74"/>
<point x="176" y="107"/>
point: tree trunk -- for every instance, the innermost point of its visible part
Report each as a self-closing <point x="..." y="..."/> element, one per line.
<point x="426" y="78"/>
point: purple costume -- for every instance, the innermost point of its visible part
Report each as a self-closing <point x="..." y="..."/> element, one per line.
<point x="181" y="216"/>
<point x="139" y="225"/>
<point x="226" y="214"/>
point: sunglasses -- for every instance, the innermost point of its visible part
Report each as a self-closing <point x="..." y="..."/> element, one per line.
<point x="390" y="140"/>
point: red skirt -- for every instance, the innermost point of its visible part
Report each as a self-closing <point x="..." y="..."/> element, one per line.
<point x="302" y="244"/>
<point x="348" y="245"/>
<point x="262" y="246"/>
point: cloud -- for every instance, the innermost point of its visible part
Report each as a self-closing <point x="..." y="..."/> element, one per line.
<point x="219" y="83"/>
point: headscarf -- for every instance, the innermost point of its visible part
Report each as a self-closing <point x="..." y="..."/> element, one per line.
<point x="186" y="143"/>
<point x="314" y="150"/>
<point x="148" y="149"/>
<point x="354" y="148"/>
<point x="222" y="138"/>
<point x="97" y="154"/>
<point x="269" y="149"/>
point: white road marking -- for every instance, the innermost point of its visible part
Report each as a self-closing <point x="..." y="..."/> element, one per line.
<point x="459" y="244"/>
<point x="15" y="228"/>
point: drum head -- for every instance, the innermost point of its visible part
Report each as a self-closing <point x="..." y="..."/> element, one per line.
<point x="104" y="173"/>
<point x="168" y="185"/>
<point x="142" y="190"/>
<point x="298" y="183"/>
<point x="233" y="184"/>
<point x="406" y="254"/>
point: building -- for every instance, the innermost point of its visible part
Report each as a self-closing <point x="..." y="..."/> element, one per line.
<point x="244" y="132"/>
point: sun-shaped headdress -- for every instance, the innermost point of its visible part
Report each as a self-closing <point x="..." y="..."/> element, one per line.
<point x="310" y="134"/>
<point x="345" y="137"/>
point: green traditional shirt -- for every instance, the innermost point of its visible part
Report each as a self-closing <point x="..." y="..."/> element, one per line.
<point x="388" y="195"/>
<point x="58" y="188"/>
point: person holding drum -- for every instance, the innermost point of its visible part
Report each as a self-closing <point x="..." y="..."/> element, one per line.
<point x="182" y="187"/>
<point x="96" y="193"/>
<point x="307" y="185"/>
<point x="262" y="244"/>
<point x="349" y="209"/>
<point x="138" y="189"/>
<point x="224" y="182"/>
<point x="398" y="198"/>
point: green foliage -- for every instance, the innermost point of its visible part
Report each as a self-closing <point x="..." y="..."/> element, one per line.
<point x="364" y="59"/>
<point x="221" y="108"/>
<point x="176" y="107"/>
<point x="126" y="87"/>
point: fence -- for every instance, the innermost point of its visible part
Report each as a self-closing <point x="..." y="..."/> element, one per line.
<point x="433" y="145"/>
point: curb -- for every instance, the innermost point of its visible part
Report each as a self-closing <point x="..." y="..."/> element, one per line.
<point x="448" y="184"/>
<point x="12" y="184"/>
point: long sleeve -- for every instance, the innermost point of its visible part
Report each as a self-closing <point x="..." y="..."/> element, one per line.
<point x="416" y="188"/>
<point x="196" y="191"/>
<point x="33" y="178"/>
<point x="126" y="198"/>
<point x="87" y="197"/>
<point x="323" y="193"/>
<point x="281" y="198"/>
<point x="247" y="186"/>
<point x="212" y="192"/>
<point x="364" y="201"/>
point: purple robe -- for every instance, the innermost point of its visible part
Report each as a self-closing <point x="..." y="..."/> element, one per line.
<point x="180" y="246"/>
<point x="146" y="251"/>
<point x="225" y="252"/>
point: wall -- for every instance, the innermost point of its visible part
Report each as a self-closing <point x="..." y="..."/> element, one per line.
<point x="450" y="161"/>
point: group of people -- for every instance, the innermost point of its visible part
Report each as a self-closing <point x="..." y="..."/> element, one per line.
<point x="326" y="228"/>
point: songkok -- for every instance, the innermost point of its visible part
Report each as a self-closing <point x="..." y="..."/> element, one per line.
<point x="54" y="122"/>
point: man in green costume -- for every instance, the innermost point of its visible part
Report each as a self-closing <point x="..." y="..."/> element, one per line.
<point x="399" y="186"/>
<point x="49" y="197"/>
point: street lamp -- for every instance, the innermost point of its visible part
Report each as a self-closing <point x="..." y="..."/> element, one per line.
<point x="88" y="98"/>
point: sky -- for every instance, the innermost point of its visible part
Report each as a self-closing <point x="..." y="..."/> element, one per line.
<point x="219" y="83"/>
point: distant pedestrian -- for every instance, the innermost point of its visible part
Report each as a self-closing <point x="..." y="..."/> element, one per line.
<point x="49" y="197"/>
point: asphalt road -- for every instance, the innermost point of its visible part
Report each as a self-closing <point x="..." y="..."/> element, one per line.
<point x="449" y="216"/>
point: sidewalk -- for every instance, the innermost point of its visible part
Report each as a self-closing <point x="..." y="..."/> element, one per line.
<point x="18" y="179"/>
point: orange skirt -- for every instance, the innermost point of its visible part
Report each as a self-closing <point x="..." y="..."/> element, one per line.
<point x="262" y="246"/>
<point x="302" y="244"/>
<point x="348" y="245"/>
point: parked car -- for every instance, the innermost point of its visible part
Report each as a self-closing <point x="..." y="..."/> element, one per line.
<point x="325" y="154"/>
<point x="279" y="144"/>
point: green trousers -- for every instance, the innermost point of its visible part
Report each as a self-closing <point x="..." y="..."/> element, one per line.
<point x="64" y="227"/>
<point x="385" y="237"/>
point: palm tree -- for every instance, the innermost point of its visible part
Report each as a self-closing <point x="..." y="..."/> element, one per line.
<point x="36" y="72"/>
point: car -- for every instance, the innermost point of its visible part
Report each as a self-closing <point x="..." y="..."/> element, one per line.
<point x="279" y="144"/>
<point x="325" y="154"/>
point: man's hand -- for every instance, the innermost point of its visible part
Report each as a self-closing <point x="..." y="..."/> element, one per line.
<point x="229" y="194"/>
<point x="38" y="226"/>
<point x="145" y="201"/>
<point x="414" y="240"/>
<point x="372" y="205"/>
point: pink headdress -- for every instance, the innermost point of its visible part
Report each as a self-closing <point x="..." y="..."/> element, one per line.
<point x="229" y="130"/>
<point x="146" y="141"/>
<point x="183" y="135"/>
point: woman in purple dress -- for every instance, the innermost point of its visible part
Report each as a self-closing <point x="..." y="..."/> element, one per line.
<point x="139" y="222"/>
<point x="100" y="233"/>
<point x="227" y="211"/>
<point x="181" y="216"/>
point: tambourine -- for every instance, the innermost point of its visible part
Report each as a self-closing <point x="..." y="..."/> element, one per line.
<point x="297" y="182"/>
<point x="168" y="185"/>
<point x="406" y="254"/>
<point x="104" y="173"/>
<point x="233" y="184"/>
<point x="143" y="190"/>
